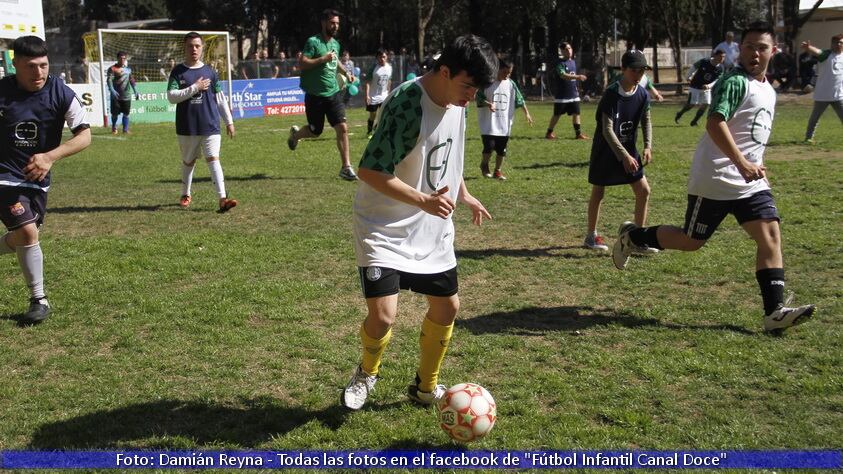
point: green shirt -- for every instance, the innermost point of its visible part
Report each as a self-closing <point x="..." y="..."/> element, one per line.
<point x="321" y="80"/>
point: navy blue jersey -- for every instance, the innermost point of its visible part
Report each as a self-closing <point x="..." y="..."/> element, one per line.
<point x="199" y="114"/>
<point x="706" y="73"/>
<point x="32" y="123"/>
<point x="566" y="89"/>
<point x="626" y="113"/>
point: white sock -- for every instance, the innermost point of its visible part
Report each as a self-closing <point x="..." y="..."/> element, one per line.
<point x="31" y="261"/>
<point x="215" y="167"/>
<point x="186" y="178"/>
<point x="4" y="247"/>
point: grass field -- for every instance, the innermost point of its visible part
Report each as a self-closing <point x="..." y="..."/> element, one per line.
<point x="181" y="328"/>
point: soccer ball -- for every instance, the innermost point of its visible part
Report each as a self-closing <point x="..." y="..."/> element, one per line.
<point x="467" y="412"/>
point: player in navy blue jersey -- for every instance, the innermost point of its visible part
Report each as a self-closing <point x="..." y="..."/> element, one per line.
<point x="34" y="107"/>
<point x="703" y="76"/>
<point x="567" y="95"/>
<point x="614" y="155"/>
<point x="195" y="87"/>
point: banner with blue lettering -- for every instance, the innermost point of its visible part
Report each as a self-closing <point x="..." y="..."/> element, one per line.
<point x="266" y="97"/>
<point x="427" y="458"/>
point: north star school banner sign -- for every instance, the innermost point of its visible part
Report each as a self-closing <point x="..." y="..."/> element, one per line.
<point x="251" y="99"/>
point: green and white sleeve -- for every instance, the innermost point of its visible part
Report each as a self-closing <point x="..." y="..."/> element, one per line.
<point x="397" y="130"/>
<point x="728" y="95"/>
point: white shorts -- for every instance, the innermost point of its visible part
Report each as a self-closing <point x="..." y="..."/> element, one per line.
<point x="699" y="96"/>
<point x="191" y="144"/>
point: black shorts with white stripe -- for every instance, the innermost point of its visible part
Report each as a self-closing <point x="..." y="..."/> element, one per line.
<point x="704" y="215"/>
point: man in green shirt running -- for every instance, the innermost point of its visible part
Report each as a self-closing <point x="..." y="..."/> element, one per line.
<point x="320" y="65"/>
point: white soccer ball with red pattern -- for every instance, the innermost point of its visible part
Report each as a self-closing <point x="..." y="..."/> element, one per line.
<point x="467" y="412"/>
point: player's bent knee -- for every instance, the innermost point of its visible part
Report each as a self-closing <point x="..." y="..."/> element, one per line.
<point x="316" y="131"/>
<point x="26" y="235"/>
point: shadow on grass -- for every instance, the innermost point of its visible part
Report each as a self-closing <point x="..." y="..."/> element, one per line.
<point x="18" y="319"/>
<point x="75" y="209"/>
<point x="533" y="321"/>
<point x="173" y="423"/>
<point x="254" y="177"/>
<point x="556" y="251"/>
<point x="558" y="164"/>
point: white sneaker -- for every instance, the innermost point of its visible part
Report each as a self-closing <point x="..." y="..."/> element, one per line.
<point x="623" y="247"/>
<point x="357" y="391"/>
<point x="348" y="174"/>
<point x="645" y="250"/>
<point x="292" y="143"/>
<point x="784" y="317"/>
<point x="425" y="398"/>
<point x="595" y="242"/>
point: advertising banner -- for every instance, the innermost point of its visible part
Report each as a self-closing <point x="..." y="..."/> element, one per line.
<point x="91" y="98"/>
<point x="267" y="97"/>
<point x="21" y="18"/>
<point x="251" y="99"/>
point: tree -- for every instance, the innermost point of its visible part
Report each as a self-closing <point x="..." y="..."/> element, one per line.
<point x="125" y="10"/>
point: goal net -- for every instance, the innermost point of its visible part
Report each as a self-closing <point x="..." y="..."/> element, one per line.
<point x="151" y="54"/>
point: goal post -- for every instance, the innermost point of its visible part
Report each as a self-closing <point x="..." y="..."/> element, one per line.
<point x="149" y="52"/>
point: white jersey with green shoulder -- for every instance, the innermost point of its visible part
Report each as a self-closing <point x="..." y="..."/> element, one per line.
<point x="421" y="144"/>
<point x="748" y="105"/>
<point x="379" y="78"/>
<point x="506" y="97"/>
<point x="829" y="86"/>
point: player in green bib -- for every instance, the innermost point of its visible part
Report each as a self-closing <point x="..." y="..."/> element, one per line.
<point x="320" y="65"/>
<point x="728" y="177"/>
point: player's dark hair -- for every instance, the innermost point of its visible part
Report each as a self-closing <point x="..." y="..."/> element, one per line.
<point x="121" y="54"/>
<point x="836" y="38"/>
<point x="564" y="44"/>
<point x="329" y="13"/>
<point x="191" y="35"/>
<point x="30" y="46"/>
<point x="379" y="52"/>
<point x="472" y="54"/>
<point x="504" y="63"/>
<point x="759" y="27"/>
<point x="719" y="51"/>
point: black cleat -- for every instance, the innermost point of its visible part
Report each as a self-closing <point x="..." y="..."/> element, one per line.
<point x="39" y="310"/>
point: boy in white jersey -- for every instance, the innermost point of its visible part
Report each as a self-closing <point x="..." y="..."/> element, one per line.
<point x="378" y="85"/>
<point x="829" y="89"/>
<point x="196" y="89"/>
<point x="728" y="176"/>
<point x="495" y="111"/>
<point x="411" y="175"/>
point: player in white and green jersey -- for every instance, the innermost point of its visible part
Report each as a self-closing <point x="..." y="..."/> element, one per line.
<point x="378" y="84"/>
<point x="411" y="178"/>
<point x="496" y="106"/>
<point x="829" y="89"/>
<point x="728" y="177"/>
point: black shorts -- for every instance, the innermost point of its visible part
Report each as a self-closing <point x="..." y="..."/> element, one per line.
<point x="317" y="108"/>
<point x="373" y="107"/>
<point x="121" y="107"/>
<point x="20" y="206"/>
<point x="604" y="169"/>
<point x="382" y="281"/>
<point x="570" y="108"/>
<point x="704" y="215"/>
<point x="493" y="142"/>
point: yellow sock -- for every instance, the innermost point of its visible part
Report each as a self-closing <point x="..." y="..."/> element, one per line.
<point x="433" y="343"/>
<point x="373" y="351"/>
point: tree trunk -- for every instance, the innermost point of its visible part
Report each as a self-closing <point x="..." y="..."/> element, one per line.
<point x="424" y="15"/>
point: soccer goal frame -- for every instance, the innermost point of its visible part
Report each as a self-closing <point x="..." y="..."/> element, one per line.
<point x="175" y="33"/>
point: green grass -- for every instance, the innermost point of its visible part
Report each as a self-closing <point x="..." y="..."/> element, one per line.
<point x="184" y="328"/>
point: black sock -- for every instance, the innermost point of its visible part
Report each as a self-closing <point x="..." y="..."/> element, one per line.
<point x="577" y="129"/>
<point x="771" y="282"/>
<point x="700" y="113"/>
<point x="549" y="130"/>
<point x="646" y="236"/>
<point x="371" y="124"/>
